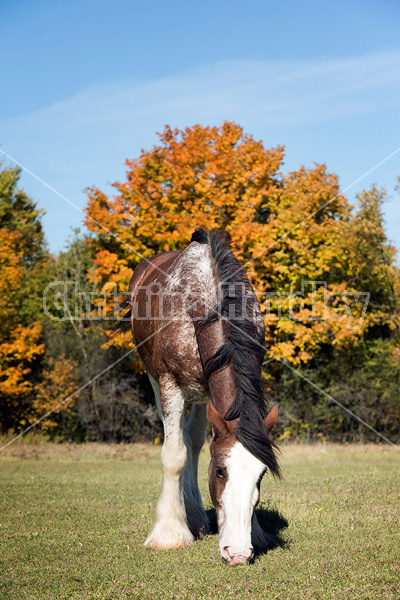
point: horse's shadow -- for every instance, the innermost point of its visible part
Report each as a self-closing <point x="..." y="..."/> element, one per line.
<point x="271" y="521"/>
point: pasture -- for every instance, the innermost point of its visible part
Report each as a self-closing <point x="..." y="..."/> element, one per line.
<point x="74" y="517"/>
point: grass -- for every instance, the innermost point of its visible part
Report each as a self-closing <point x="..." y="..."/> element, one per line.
<point x="73" y="520"/>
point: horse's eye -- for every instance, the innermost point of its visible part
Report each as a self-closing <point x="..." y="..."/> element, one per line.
<point x="220" y="472"/>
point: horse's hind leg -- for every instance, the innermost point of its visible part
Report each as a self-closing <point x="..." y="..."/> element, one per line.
<point x="171" y="529"/>
<point x="195" y="434"/>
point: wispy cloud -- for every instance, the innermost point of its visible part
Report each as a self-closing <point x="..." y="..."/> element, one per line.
<point x="74" y="142"/>
<point x="294" y="92"/>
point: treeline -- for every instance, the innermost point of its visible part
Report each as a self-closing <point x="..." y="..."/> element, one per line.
<point x="50" y="346"/>
<point x="324" y="271"/>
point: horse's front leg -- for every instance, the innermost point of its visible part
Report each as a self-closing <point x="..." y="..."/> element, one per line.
<point x="171" y="529"/>
<point x="195" y="435"/>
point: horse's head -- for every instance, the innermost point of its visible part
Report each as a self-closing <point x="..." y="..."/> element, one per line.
<point x="234" y="477"/>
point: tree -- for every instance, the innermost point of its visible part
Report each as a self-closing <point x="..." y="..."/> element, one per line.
<point x="371" y="263"/>
<point x="285" y="229"/>
<point x="23" y="260"/>
<point x="364" y="376"/>
<point x="202" y="176"/>
<point x="115" y="406"/>
<point x="313" y="260"/>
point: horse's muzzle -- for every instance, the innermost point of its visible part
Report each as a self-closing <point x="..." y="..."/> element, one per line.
<point x="235" y="559"/>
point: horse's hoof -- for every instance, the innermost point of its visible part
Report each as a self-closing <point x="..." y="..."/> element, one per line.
<point x="166" y="536"/>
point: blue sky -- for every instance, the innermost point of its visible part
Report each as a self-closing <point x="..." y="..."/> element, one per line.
<point x="86" y="85"/>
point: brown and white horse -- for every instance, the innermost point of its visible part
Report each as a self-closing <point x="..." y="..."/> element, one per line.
<point x="200" y="334"/>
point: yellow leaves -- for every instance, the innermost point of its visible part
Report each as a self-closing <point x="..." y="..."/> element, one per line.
<point x="58" y="383"/>
<point x="11" y="271"/>
<point x="22" y="259"/>
<point x="283" y="350"/>
<point x="109" y="267"/>
<point x="213" y="177"/>
<point x="121" y="341"/>
<point x="23" y="344"/>
<point x="13" y="381"/>
<point x="15" y="356"/>
<point x="288" y="230"/>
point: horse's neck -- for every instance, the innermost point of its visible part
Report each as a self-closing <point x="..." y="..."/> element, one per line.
<point x="223" y="389"/>
<point x="221" y="383"/>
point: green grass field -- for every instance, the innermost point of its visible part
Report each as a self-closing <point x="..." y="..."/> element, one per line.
<point x="74" y="518"/>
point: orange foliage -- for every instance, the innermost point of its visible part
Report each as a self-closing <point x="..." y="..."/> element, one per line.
<point x="22" y="345"/>
<point x="58" y="382"/>
<point x="286" y="229"/>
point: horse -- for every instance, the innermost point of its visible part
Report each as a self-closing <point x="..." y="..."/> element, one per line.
<point x="198" y="329"/>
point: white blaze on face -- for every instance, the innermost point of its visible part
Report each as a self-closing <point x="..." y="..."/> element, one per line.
<point x="237" y="502"/>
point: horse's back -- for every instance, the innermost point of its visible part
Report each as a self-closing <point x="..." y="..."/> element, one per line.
<point x="163" y="291"/>
<point x="151" y="269"/>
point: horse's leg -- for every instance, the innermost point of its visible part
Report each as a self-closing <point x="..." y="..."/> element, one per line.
<point x="195" y="434"/>
<point x="170" y="528"/>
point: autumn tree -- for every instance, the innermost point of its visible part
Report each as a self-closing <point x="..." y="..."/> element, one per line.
<point x="115" y="406"/>
<point x="363" y="376"/>
<point x="286" y="228"/>
<point x="23" y="259"/>
<point x="371" y="264"/>
<point x="314" y="261"/>
<point x="202" y="176"/>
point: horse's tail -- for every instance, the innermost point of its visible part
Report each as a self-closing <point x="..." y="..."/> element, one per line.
<point x="243" y="348"/>
<point x="124" y="323"/>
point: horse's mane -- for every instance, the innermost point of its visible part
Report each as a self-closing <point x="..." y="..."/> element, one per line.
<point x="243" y="348"/>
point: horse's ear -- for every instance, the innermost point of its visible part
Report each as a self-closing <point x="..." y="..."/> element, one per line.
<point x="272" y="417"/>
<point x="216" y="420"/>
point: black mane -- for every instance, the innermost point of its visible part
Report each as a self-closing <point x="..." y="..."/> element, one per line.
<point x="243" y="348"/>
